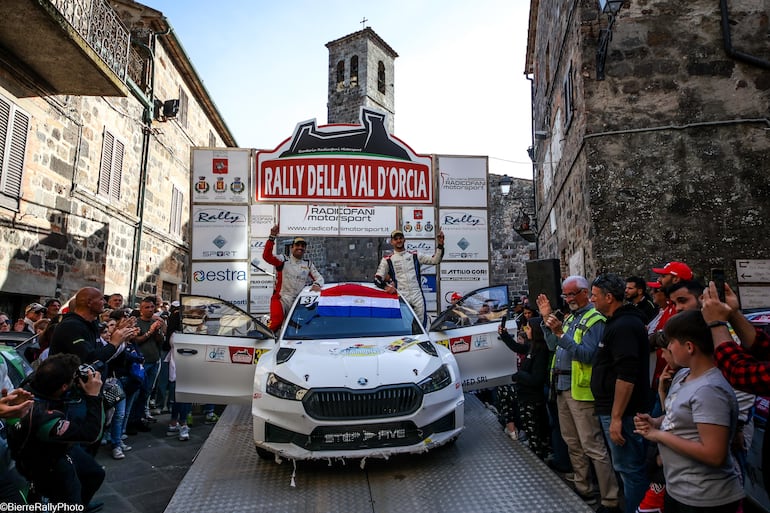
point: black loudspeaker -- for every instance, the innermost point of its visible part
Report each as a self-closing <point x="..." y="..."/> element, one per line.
<point x="170" y="108"/>
<point x="543" y="277"/>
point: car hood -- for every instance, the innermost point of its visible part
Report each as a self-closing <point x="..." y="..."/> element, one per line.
<point x="357" y="363"/>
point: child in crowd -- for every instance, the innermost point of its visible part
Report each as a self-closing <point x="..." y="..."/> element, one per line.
<point x="701" y="415"/>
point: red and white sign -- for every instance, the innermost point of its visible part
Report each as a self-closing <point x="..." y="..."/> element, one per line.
<point x="335" y="179"/>
<point x="343" y="163"/>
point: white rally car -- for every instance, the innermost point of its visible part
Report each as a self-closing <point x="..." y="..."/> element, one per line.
<point x="352" y="373"/>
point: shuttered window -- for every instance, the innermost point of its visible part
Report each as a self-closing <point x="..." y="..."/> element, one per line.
<point x="183" y="105"/>
<point x="177" y="200"/>
<point x="14" y="126"/>
<point x="111" y="168"/>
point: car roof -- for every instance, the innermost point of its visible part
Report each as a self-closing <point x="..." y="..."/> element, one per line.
<point x="14" y="338"/>
<point x="761" y="317"/>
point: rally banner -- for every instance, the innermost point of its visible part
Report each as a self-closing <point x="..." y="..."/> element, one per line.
<point x="418" y="222"/>
<point x="467" y="234"/>
<point x="225" y="280"/>
<point x="462" y="181"/>
<point x="344" y="164"/>
<point x="221" y="175"/>
<point x="337" y="220"/>
<point x="263" y="217"/>
<point x="221" y="232"/>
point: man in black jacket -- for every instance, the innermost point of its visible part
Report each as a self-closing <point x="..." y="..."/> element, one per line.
<point x="619" y="383"/>
<point x="78" y="333"/>
<point x="46" y="442"/>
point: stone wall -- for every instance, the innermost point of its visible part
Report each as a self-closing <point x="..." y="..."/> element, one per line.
<point x="65" y="235"/>
<point x="509" y="252"/>
<point x="664" y="158"/>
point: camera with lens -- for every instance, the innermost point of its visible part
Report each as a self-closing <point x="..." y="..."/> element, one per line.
<point x="95" y="367"/>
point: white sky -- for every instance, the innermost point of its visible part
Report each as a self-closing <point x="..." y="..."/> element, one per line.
<point x="460" y="87"/>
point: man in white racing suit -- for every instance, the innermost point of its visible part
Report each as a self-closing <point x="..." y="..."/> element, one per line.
<point x="401" y="271"/>
<point x="292" y="273"/>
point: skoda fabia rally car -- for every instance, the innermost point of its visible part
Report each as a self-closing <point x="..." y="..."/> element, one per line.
<point x="352" y="373"/>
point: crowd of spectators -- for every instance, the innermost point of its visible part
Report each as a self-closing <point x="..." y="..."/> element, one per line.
<point x="54" y="443"/>
<point x="652" y="394"/>
<point x="643" y="402"/>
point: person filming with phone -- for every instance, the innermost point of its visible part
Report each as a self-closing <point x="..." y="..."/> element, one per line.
<point x="46" y="442"/>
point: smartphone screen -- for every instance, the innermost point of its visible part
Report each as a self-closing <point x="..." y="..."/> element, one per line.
<point x="718" y="277"/>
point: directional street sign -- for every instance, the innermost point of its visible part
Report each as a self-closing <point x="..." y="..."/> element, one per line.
<point x="754" y="297"/>
<point x="753" y="271"/>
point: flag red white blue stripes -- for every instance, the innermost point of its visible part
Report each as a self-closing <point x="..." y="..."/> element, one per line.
<point x="352" y="300"/>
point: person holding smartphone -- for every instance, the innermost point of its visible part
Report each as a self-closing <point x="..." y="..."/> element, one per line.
<point x="576" y="340"/>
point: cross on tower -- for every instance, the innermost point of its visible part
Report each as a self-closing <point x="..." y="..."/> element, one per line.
<point x="363" y="22"/>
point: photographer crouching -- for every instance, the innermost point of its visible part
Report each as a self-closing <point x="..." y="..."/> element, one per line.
<point x="46" y="443"/>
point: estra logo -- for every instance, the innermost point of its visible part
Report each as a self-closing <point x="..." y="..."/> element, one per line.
<point x="219" y="275"/>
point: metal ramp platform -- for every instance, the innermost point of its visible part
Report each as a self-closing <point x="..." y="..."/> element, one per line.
<point x="483" y="472"/>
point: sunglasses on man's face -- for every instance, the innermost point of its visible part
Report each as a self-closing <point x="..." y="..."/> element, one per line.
<point x="7" y="321"/>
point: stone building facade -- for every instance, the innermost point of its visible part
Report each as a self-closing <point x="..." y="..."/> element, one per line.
<point x="508" y="250"/>
<point x="665" y="157"/>
<point x="103" y="188"/>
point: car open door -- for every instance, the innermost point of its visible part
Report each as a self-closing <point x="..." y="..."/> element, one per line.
<point x="215" y="351"/>
<point x="468" y="328"/>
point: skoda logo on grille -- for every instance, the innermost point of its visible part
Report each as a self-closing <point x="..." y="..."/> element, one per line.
<point x="362" y="381"/>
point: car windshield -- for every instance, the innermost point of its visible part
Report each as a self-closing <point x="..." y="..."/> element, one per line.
<point x="203" y="315"/>
<point x="350" y="311"/>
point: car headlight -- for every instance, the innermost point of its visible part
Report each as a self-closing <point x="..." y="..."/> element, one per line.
<point x="284" y="389"/>
<point x="436" y="381"/>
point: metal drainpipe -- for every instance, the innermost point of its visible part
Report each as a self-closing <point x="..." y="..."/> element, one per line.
<point x="534" y="165"/>
<point x="732" y="52"/>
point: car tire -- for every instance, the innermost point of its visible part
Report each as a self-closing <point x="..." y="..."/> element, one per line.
<point x="264" y="454"/>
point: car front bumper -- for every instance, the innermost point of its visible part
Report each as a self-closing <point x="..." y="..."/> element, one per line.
<point x="283" y="427"/>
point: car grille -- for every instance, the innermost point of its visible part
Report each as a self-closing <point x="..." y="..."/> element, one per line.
<point x="346" y="404"/>
<point x="360" y="436"/>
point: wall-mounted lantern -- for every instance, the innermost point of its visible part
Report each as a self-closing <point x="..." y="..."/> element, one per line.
<point x="522" y="223"/>
<point x="610" y="8"/>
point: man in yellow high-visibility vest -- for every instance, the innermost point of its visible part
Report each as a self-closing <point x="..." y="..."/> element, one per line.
<point x="575" y="341"/>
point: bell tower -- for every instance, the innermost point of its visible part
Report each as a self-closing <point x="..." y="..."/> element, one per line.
<point x="361" y="73"/>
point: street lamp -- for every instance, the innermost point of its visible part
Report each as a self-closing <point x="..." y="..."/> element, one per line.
<point x="610" y="8"/>
<point x="522" y="223"/>
<point x="505" y="185"/>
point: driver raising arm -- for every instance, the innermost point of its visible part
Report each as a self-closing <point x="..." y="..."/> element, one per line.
<point x="291" y="275"/>
<point x="403" y="268"/>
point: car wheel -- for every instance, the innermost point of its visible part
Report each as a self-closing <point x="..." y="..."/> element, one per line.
<point x="264" y="454"/>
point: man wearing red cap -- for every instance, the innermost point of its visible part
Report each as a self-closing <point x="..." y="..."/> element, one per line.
<point x="672" y="272"/>
<point x="669" y="274"/>
<point x="291" y="274"/>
